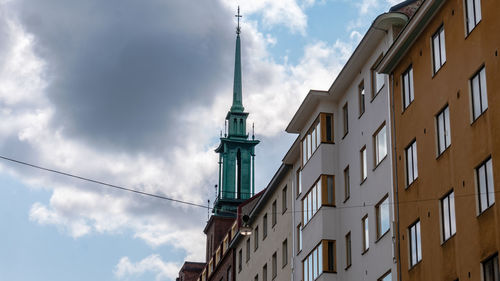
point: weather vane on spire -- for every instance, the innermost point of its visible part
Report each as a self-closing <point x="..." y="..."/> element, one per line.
<point x="238" y="30"/>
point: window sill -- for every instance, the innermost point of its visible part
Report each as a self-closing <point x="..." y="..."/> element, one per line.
<point x="347" y="267"/>
<point x="406" y="108"/>
<point x="486" y="210"/>
<point x="469" y="33"/>
<point x="298" y="253"/>
<point x="365" y="251"/>
<point x="360" y="115"/>
<point x="480" y="115"/>
<point x="379" y="163"/>
<point x="284" y="211"/>
<point x="414" y="182"/>
<point x="345" y="134"/>
<point x="449" y="238"/>
<point x="415" y="265"/>
<point x="363" y="181"/>
<point x="382" y="236"/>
<point x="376" y="94"/>
<point x="347" y="198"/>
<point x="443" y="152"/>
<point x="437" y="71"/>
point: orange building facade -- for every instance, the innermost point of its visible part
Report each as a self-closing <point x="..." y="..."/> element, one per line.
<point x="445" y="104"/>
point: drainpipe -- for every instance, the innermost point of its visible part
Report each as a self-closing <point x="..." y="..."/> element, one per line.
<point x="393" y="127"/>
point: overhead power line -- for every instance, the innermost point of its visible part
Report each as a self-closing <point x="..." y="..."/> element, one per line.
<point x="104" y="183"/>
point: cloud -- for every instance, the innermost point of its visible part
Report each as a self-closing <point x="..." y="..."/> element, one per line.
<point x="139" y="103"/>
<point x="288" y="13"/>
<point x="151" y="264"/>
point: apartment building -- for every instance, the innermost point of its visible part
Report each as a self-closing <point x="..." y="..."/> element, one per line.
<point x="344" y="173"/>
<point x="444" y="70"/>
<point x="265" y="253"/>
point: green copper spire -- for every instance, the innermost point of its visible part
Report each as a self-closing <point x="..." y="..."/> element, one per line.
<point x="236" y="151"/>
<point x="237" y="95"/>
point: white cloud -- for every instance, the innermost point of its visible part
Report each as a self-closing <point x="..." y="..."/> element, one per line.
<point x="284" y="12"/>
<point x="151" y="264"/>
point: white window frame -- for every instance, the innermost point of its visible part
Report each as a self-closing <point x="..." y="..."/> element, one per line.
<point x="363" y="164"/>
<point x="383" y="214"/>
<point x="438" y="49"/>
<point x="366" y="233"/>
<point x="443" y="129"/>
<point x="485" y="185"/>
<point x="448" y="218"/>
<point x="479" y="93"/>
<point x="411" y="163"/>
<point x="415" y="243"/>
<point x="407" y="87"/>
<point x="380" y="138"/>
<point x="472" y="14"/>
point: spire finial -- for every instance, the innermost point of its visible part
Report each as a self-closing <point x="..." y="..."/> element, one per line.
<point x="238" y="16"/>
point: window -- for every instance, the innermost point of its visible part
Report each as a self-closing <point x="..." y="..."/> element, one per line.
<point x="377" y="79"/>
<point x="415" y="243"/>
<point x="299" y="182"/>
<point x="361" y="97"/>
<point x="331" y="257"/>
<point x="321" y="193"/>
<point x="479" y="96"/>
<point x="380" y="138"/>
<point x="448" y="215"/>
<point x="240" y="259"/>
<point x="438" y="49"/>
<point x="366" y="234"/>
<point x="264" y="272"/>
<point x="364" y="170"/>
<point x="347" y="184"/>
<point x="346" y="119"/>
<point x="248" y="249"/>
<point x="229" y="274"/>
<point x="383" y="219"/>
<point x="408" y="90"/>
<point x="386" y="277"/>
<point x="275" y="265"/>
<point x="256" y="278"/>
<point x="411" y="163"/>
<point x="473" y="13"/>
<point x="348" y="256"/>
<point x="284" y="253"/>
<point x="256" y="238"/>
<point x="443" y="129"/>
<point x="264" y="227"/>
<point x="490" y="269"/>
<point x="283" y="200"/>
<point x="312" y="264"/>
<point x="486" y="189"/>
<point x="299" y="238"/>
<point x="320" y="131"/>
<point x="273" y="215"/>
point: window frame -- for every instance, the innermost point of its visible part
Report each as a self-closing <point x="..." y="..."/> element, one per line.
<point x="378" y="213"/>
<point x="493" y="259"/>
<point x="468" y="27"/>
<point x="411" y="87"/>
<point x="363" y="164"/>
<point x="447" y="204"/>
<point x="320" y="131"/>
<point x="414" y="163"/>
<point x="299" y="182"/>
<point x="274" y="265"/>
<point x="379" y="158"/>
<point x="443" y="114"/>
<point x="481" y="75"/>
<point x="362" y="98"/>
<point x="299" y="238"/>
<point x="274" y="210"/>
<point x="284" y="253"/>
<point x="345" y="119"/>
<point x="348" y="250"/>
<point x="487" y="170"/>
<point x="247" y="257"/>
<point x="264" y="272"/>
<point x="381" y="278"/>
<point x="256" y="238"/>
<point x="365" y="228"/>
<point x="439" y="33"/>
<point x="418" y="242"/>
<point x="347" y="184"/>
<point x="264" y="226"/>
<point x="375" y="76"/>
<point x="284" y="203"/>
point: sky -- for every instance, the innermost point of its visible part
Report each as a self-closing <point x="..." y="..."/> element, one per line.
<point x="134" y="93"/>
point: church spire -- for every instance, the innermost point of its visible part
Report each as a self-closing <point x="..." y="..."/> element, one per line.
<point x="237" y="92"/>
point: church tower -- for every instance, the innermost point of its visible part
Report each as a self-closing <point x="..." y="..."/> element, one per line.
<point x="236" y="151"/>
